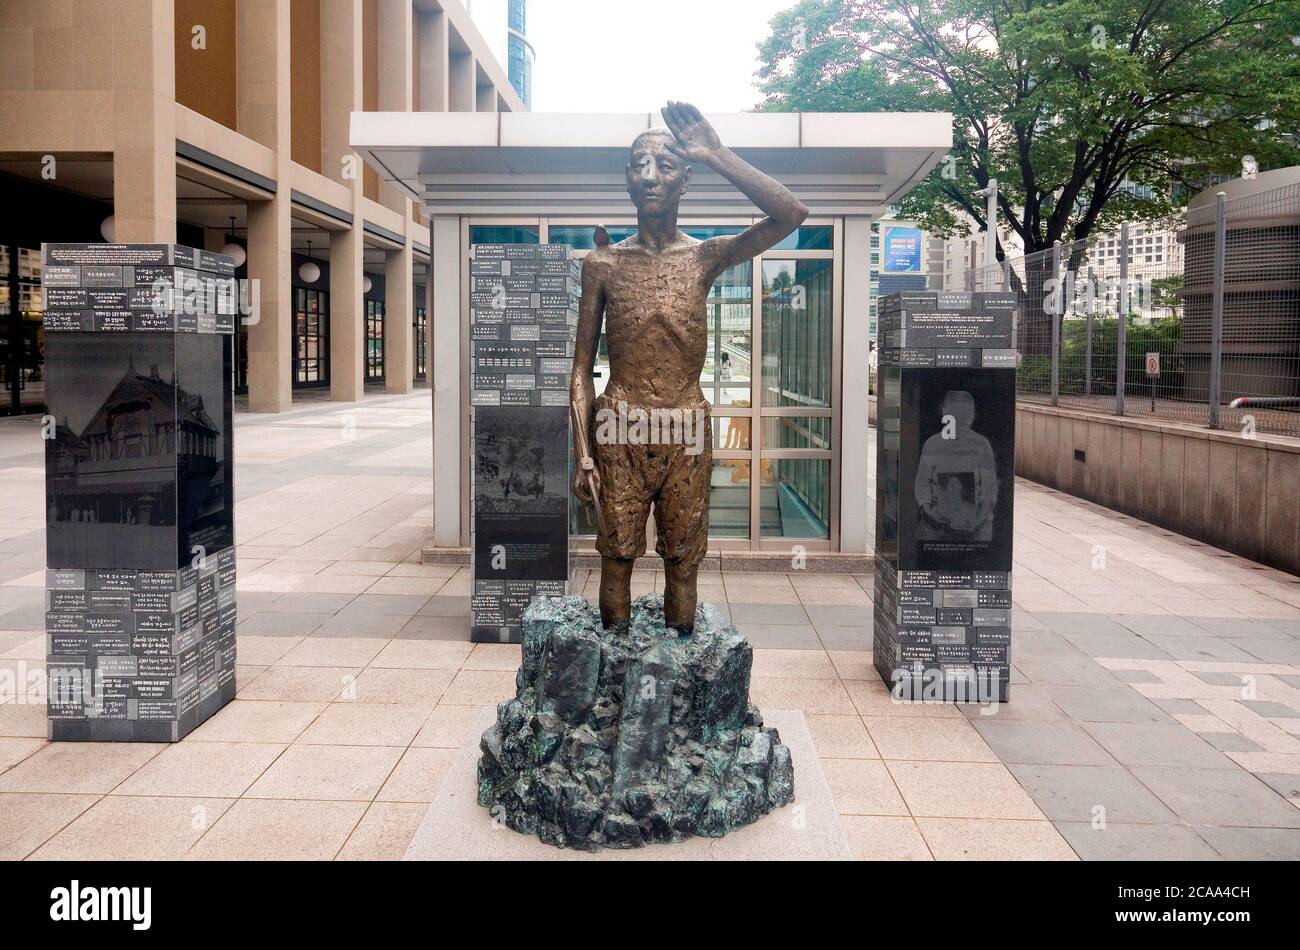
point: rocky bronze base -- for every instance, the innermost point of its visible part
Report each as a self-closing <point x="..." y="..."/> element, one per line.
<point x="616" y="739"/>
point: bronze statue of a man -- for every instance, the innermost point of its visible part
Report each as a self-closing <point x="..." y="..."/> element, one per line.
<point x="650" y="291"/>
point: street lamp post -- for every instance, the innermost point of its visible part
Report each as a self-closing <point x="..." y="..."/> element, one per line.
<point x="990" y="194"/>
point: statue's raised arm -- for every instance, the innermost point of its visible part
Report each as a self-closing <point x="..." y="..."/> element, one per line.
<point x="698" y="142"/>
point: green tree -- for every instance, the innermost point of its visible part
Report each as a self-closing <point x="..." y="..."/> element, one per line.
<point x="1064" y="102"/>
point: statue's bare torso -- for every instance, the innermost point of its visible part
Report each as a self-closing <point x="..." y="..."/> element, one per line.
<point x="656" y="319"/>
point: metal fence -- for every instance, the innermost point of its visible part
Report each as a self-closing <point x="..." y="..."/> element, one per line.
<point x="1210" y="325"/>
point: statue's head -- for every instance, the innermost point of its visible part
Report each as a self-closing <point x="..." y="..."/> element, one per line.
<point x="656" y="175"/>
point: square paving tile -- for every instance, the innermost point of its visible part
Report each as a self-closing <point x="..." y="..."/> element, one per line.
<point x="257" y="721"/>
<point x="841" y="737"/>
<point x="384" y="833"/>
<point x="1087" y="793"/>
<point x="120" y="828"/>
<point x="300" y="683"/>
<point x="962" y="790"/>
<point x="855" y="639"/>
<point x="434" y="627"/>
<point x="873" y="698"/>
<point x="79" y="767"/>
<point x="948" y="739"/>
<point x="354" y="652"/>
<point x="13" y="751"/>
<point x="327" y="773"/>
<point x="1121" y="842"/>
<point x="809" y="696"/>
<point x="262" y="651"/>
<point x="1145" y="744"/>
<point x="1105" y="704"/>
<point x="448" y="727"/>
<point x="253" y="830"/>
<point x="27" y="820"/>
<point x="364" y="625"/>
<point x="1042" y="743"/>
<point x="1253" y="844"/>
<point x="1202" y="648"/>
<point x="838" y="615"/>
<point x="398" y="605"/>
<point x="885" y="838"/>
<point x="1148" y="625"/>
<point x="1027" y="702"/>
<point x="268" y="624"/>
<point x="202" y="769"/>
<point x="382" y="685"/>
<point x="424" y="655"/>
<point x="494" y="656"/>
<point x="1219" y="797"/>
<point x="418" y="775"/>
<point x="1063" y="670"/>
<point x="1122" y="644"/>
<point x="781" y="636"/>
<point x="366" y="724"/>
<point x="793" y="664"/>
<point x="743" y="614"/>
<point x="479" y="688"/>
<point x="441" y="605"/>
<point x="960" y="839"/>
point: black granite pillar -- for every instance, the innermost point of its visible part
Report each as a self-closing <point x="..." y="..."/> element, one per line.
<point x="944" y="492"/>
<point x="523" y="316"/>
<point x="139" y="498"/>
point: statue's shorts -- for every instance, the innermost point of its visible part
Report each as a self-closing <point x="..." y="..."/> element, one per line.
<point x="667" y="463"/>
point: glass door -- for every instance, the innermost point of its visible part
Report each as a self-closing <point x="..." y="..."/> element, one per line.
<point x="420" y="327"/>
<point x="310" y="338"/>
<point x="374" y="339"/>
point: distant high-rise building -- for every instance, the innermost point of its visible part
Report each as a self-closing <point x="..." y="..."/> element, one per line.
<point x="504" y="24"/>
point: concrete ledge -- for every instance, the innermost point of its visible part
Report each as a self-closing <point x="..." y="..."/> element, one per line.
<point x="1236" y="493"/>
<point x="456" y="828"/>
<point x="814" y="562"/>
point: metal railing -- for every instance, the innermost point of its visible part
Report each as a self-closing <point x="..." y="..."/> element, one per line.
<point x="1194" y="318"/>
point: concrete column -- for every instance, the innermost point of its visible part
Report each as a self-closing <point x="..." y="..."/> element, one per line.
<point x="396" y="90"/>
<point x="270" y="324"/>
<point x="144" y="121"/>
<point x="347" y="315"/>
<point x="853" y="386"/>
<point x="399" y="315"/>
<point x="464" y="82"/>
<point x="341" y="95"/>
<point x="435" y="80"/>
<point x="265" y="94"/>
<point x="341" y="57"/>
<point x="445" y="366"/>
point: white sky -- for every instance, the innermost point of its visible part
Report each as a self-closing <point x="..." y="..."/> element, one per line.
<point x="634" y="55"/>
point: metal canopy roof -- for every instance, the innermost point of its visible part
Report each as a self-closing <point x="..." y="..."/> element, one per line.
<point x="529" y="163"/>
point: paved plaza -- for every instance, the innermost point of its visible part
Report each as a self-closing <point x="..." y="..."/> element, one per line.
<point x="1155" y="707"/>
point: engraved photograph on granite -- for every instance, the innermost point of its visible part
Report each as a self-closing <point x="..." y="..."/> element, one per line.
<point x="137" y="469"/>
<point x="955" y="491"/>
<point x="521" y="468"/>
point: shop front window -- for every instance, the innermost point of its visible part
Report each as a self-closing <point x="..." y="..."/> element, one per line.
<point x="374" y="339"/>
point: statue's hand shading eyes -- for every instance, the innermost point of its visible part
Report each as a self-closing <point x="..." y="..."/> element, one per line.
<point x="696" y="139"/>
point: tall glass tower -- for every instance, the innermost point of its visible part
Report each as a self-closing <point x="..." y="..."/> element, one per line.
<point x="519" y="53"/>
<point x="504" y="24"/>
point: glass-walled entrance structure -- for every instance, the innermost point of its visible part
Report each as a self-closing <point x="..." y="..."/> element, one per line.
<point x="786" y="369"/>
<point x="774" y="414"/>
